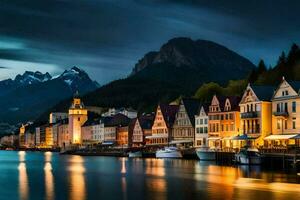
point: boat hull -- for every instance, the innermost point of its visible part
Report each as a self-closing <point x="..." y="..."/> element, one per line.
<point x="206" y="155"/>
<point x="168" y="154"/>
<point x="248" y="160"/>
<point x="137" y="154"/>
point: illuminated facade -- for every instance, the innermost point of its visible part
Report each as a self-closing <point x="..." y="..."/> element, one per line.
<point x="224" y="121"/>
<point x="141" y="128"/>
<point x="22" y="135"/>
<point x="183" y="131"/>
<point x="201" y="127"/>
<point x="286" y="114"/>
<point x="163" y="122"/>
<point x="77" y="117"/>
<point x="256" y="113"/>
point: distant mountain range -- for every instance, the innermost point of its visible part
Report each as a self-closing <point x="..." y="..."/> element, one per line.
<point x="30" y="94"/>
<point x="178" y="68"/>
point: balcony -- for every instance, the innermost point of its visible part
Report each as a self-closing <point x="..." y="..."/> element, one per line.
<point x="249" y="115"/>
<point x="281" y="114"/>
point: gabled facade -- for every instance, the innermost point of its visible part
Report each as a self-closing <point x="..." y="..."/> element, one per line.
<point x="162" y="125"/>
<point x="184" y="125"/>
<point x="286" y="113"/>
<point x="142" y="127"/>
<point x="224" y="121"/>
<point x="256" y="113"/>
<point x="201" y="127"/>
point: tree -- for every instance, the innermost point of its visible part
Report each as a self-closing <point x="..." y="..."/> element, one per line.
<point x="207" y="90"/>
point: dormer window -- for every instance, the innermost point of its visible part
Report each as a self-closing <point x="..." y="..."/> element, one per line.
<point x="286" y="93"/>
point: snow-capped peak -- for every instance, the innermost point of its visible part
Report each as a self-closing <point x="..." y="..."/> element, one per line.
<point x="32" y="77"/>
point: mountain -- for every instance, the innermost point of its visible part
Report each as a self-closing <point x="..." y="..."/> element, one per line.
<point x="30" y="94"/>
<point x="178" y="68"/>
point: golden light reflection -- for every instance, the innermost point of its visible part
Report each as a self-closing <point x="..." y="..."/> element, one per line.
<point x="123" y="168"/>
<point x="48" y="156"/>
<point x="49" y="184"/>
<point x="23" y="178"/>
<point x="77" y="181"/>
<point x="22" y="155"/>
<point x="155" y="167"/>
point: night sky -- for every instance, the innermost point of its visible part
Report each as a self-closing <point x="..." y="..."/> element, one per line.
<point x="107" y="37"/>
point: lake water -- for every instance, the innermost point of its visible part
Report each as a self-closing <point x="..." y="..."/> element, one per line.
<point x="36" y="176"/>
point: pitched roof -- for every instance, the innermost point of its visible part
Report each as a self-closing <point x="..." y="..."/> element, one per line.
<point x="169" y="113"/>
<point x="295" y="85"/>
<point x="119" y="120"/>
<point x="146" y="121"/>
<point x="191" y="107"/>
<point x="263" y="92"/>
<point x="91" y="122"/>
<point x="234" y="102"/>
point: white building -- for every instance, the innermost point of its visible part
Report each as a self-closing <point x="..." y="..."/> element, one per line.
<point x="201" y="127"/>
<point x="57" y="116"/>
<point x="129" y="112"/>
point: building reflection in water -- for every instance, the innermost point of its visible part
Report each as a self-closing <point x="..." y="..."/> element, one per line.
<point x="156" y="183"/>
<point x="77" y="181"/>
<point x="49" y="184"/>
<point x="23" y="178"/>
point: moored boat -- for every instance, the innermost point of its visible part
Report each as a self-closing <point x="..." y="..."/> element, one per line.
<point x="137" y="154"/>
<point x="248" y="156"/>
<point x="206" y="154"/>
<point x="168" y="152"/>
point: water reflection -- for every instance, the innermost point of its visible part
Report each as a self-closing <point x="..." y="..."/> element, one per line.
<point x="157" y="184"/>
<point x="49" y="184"/>
<point x="23" y="178"/>
<point x="77" y="181"/>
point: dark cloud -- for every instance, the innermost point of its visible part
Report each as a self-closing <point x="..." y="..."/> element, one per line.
<point x="107" y="37"/>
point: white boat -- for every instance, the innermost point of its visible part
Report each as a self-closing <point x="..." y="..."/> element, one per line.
<point x="248" y="156"/>
<point x="206" y="154"/>
<point x="168" y="152"/>
<point x="137" y="154"/>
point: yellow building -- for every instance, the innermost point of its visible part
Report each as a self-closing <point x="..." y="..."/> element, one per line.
<point x="256" y="114"/>
<point x="22" y="135"/>
<point x="77" y="117"/>
<point x="286" y="114"/>
<point x="162" y="125"/>
<point x="223" y="122"/>
<point x="49" y="136"/>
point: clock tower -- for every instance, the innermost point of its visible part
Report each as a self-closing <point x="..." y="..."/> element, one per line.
<point x="77" y="117"/>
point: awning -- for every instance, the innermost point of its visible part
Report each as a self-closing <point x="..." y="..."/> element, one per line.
<point x="244" y="137"/>
<point x="280" y="137"/>
<point x="214" y="138"/>
<point x="108" y="143"/>
<point x="228" y="138"/>
<point x="180" y="141"/>
<point x="296" y="137"/>
<point x="157" y="136"/>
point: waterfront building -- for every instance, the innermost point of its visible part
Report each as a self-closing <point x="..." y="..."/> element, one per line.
<point x="201" y="127"/>
<point x="224" y="122"/>
<point x="91" y="132"/>
<point x="22" y="135"/>
<point x="64" y="138"/>
<point x="256" y="114"/>
<point x="110" y="126"/>
<point x="9" y="140"/>
<point x="142" y="127"/>
<point x="54" y="117"/>
<point x="162" y="125"/>
<point x="49" y="136"/>
<point x="122" y="136"/>
<point x="183" y="132"/>
<point x="285" y="115"/>
<point x="129" y="112"/>
<point x="77" y="117"/>
<point x="29" y="139"/>
<point x="40" y="136"/>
